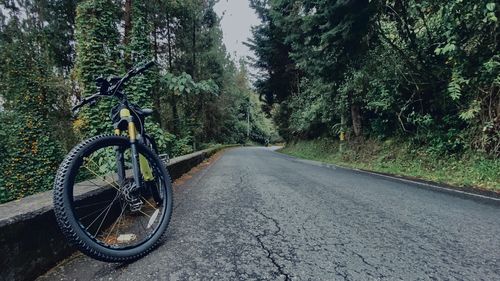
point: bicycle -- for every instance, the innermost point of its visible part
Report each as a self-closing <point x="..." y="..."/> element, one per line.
<point x="112" y="193"/>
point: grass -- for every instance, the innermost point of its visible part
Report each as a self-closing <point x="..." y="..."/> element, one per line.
<point x="397" y="158"/>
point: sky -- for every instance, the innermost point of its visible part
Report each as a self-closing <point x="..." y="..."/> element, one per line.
<point x="237" y="19"/>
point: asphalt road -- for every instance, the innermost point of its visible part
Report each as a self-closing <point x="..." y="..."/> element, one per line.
<point x="255" y="214"/>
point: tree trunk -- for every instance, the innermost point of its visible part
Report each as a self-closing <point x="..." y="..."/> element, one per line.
<point x="193" y="63"/>
<point x="356" y="120"/>
<point x="175" y="116"/>
<point x="155" y="40"/>
<point x="127" y="18"/>
<point x="156" y="89"/>
<point x="169" y="43"/>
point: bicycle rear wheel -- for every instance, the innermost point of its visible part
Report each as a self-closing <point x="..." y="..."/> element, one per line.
<point x="99" y="208"/>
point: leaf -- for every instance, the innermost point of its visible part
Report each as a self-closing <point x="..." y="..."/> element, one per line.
<point x="471" y="112"/>
<point x="455" y="85"/>
<point x="490" y="7"/>
<point x="450" y="47"/>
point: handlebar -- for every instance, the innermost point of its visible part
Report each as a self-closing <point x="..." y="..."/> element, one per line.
<point x="88" y="100"/>
<point x="144" y="67"/>
<point x="111" y="86"/>
<point x="135" y="71"/>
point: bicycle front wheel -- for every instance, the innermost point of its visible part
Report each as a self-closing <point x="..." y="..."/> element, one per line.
<point x="100" y="209"/>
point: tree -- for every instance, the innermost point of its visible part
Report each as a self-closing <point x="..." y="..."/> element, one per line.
<point x="29" y="152"/>
<point x="97" y="54"/>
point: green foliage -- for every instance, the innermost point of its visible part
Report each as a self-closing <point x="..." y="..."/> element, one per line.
<point x="184" y="84"/>
<point x="398" y="157"/>
<point x="167" y="142"/>
<point x="29" y="153"/>
<point x="140" y="50"/>
<point x="419" y="70"/>
<point x="30" y="158"/>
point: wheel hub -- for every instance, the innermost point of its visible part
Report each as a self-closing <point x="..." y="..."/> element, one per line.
<point x="131" y="195"/>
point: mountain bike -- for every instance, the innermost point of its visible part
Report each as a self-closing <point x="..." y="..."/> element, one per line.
<point x="112" y="193"/>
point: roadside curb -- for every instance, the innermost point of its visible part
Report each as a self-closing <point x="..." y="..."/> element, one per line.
<point x="30" y="240"/>
<point x="466" y="192"/>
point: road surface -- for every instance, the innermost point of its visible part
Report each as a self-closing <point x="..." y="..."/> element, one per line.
<point x="255" y="214"/>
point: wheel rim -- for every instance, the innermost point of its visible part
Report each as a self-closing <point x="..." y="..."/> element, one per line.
<point x="108" y="216"/>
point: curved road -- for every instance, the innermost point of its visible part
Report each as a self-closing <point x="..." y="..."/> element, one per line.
<point x="255" y="214"/>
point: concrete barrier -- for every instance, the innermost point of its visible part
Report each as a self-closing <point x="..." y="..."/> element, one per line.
<point x="30" y="240"/>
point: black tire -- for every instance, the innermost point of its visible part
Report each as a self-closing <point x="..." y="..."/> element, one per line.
<point x="65" y="215"/>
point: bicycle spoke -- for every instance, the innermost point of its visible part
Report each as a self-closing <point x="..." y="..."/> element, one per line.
<point x="152" y="206"/>
<point x="103" y="219"/>
<point x="107" y="208"/>
<point x="117" y="221"/>
<point x="86" y="216"/>
<point x="112" y="185"/>
<point x="144" y="214"/>
<point x="91" y="205"/>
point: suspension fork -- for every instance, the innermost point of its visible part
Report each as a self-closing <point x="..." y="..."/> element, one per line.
<point x="140" y="165"/>
<point x="136" y="167"/>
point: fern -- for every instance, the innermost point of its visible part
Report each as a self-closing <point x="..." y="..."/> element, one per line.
<point x="455" y="86"/>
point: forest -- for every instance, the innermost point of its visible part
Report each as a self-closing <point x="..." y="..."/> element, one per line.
<point x="51" y="52"/>
<point x="412" y="84"/>
<point x="383" y="75"/>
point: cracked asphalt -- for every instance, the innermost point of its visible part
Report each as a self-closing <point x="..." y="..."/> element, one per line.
<point x="255" y="214"/>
